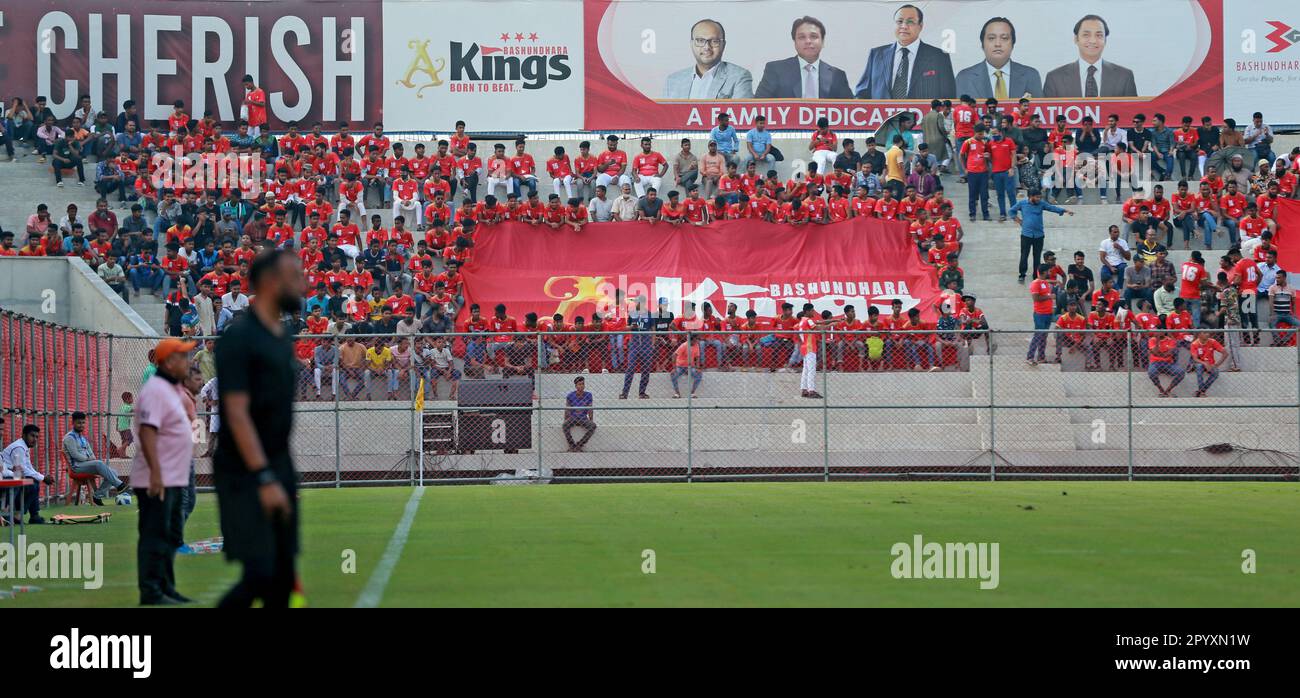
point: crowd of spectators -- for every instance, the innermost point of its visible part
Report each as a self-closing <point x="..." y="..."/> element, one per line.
<point x="380" y="294"/>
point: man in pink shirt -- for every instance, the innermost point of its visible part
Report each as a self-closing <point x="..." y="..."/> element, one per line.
<point x="686" y="360"/>
<point x="712" y="166"/>
<point x="161" y="471"/>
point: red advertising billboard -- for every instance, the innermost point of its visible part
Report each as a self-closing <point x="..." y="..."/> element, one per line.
<point x="676" y="65"/>
<point x="756" y="265"/>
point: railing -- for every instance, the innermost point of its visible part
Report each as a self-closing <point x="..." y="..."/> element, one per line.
<point x="876" y="413"/>
<point x="47" y="372"/>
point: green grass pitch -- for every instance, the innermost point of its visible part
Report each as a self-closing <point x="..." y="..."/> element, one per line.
<point x="757" y="544"/>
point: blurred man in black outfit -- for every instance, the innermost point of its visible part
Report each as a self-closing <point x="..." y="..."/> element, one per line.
<point x="255" y="478"/>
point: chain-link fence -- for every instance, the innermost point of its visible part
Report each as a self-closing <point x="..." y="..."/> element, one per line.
<point x="729" y="404"/>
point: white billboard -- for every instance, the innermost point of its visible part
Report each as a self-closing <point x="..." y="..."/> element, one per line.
<point x="496" y="65"/>
<point x="1261" y="60"/>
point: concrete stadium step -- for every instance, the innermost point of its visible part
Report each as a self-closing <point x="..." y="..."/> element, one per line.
<point x="1190" y="413"/>
<point x="1104" y="388"/>
<point x="778" y="386"/>
<point x="1010" y="357"/>
<point x="152" y="309"/>
<point x="711" y="413"/>
<point x="1147" y="436"/>
<point x="778" y="439"/>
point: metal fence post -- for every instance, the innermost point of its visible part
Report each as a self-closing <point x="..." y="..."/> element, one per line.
<point x="108" y="399"/>
<point x="1128" y="364"/>
<point x="826" y="410"/>
<point x="690" y="422"/>
<point x="413" y="450"/>
<point x="1297" y="361"/>
<point x="993" y="432"/>
<point x="34" y="405"/>
<point x="337" y="385"/>
<point x="541" y="364"/>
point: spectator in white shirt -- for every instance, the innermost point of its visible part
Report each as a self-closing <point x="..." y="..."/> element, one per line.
<point x="625" y="205"/>
<point x="16" y="462"/>
<point x="1259" y="135"/>
<point x="1113" y="135"/>
<point x="1114" y="254"/>
<point x="234" y="301"/>
<point x="600" y="207"/>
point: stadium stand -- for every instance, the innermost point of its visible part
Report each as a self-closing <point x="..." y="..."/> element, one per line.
<point x="306" y="210"/>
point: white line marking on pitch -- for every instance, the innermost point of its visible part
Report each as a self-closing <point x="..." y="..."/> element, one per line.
<point x="374" y="591"/>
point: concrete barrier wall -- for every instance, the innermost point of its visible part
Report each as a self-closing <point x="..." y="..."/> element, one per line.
<point x="66" y="292"/>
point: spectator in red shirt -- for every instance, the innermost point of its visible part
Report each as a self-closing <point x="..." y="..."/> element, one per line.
<point x="560" y="170"/>
<point x="1070" y="320"/>
<point x="523" y="169"/>
<point x="1207" y="356"/>
<point x="1002" y="157"/>
<point x="1163" y="351"/>
<point x="1040" y="291"/>
<point x="1101" y="319"/>
<point x="254" y="106"/>
<point x="975" y="157"/>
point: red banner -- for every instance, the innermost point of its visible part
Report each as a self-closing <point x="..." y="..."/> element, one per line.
<point x="316" y="59"/>
<point x="640" y="58"/>
<point x="860" y="262"/>
<point x="1287" y="240"/>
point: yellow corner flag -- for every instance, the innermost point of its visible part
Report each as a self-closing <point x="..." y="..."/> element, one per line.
<point x="419" y="398"/>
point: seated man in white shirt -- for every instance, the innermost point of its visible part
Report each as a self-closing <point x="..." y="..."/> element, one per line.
<point x="16" y="462"/>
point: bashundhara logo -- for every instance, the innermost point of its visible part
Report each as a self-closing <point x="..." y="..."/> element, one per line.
<point x="1282" y="36"/>
<point x="515" y="61"/>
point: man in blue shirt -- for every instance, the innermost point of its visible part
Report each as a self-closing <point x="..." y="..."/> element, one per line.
<point x="1029" y="214"/>
<point x="578" y="414"/>
<point x="724" y="134"/>
<point x="759" y="144"/>
<point x="641" y="351"/>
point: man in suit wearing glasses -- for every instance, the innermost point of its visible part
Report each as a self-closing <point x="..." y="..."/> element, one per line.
<point x="908" y="68"/>
<point x="710" y="77"/>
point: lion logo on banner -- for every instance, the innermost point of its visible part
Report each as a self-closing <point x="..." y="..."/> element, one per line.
<point x="586" y="290"/>
<point x="422" y="64"/>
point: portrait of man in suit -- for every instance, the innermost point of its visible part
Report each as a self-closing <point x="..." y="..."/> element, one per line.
<point x="908" y="68"/>
<point x="804" y="75"/>
<point x="1090" y="76"/>
<point x="710" y="77"/>
<point x="997" y="75"/>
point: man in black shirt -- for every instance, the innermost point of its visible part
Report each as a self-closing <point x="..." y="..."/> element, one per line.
<point x="1034" y="137"/>
<point x="386" y="324"/>
<point x="332" y="252"/>
<point x="1139" y="137"/>
<point x="256" y="481"/>
<point x="1207" y="140"/>
<point x="873" y="156"/>
<point x="848" y="158"/>
<point x="648" y="208"/>
<point x="1088" y="140"/>
<point x="437" y="322"/>
<point x="1079" y="282"/>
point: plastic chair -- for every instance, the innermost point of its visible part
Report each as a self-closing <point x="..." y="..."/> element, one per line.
<point x="82" y="480"/>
